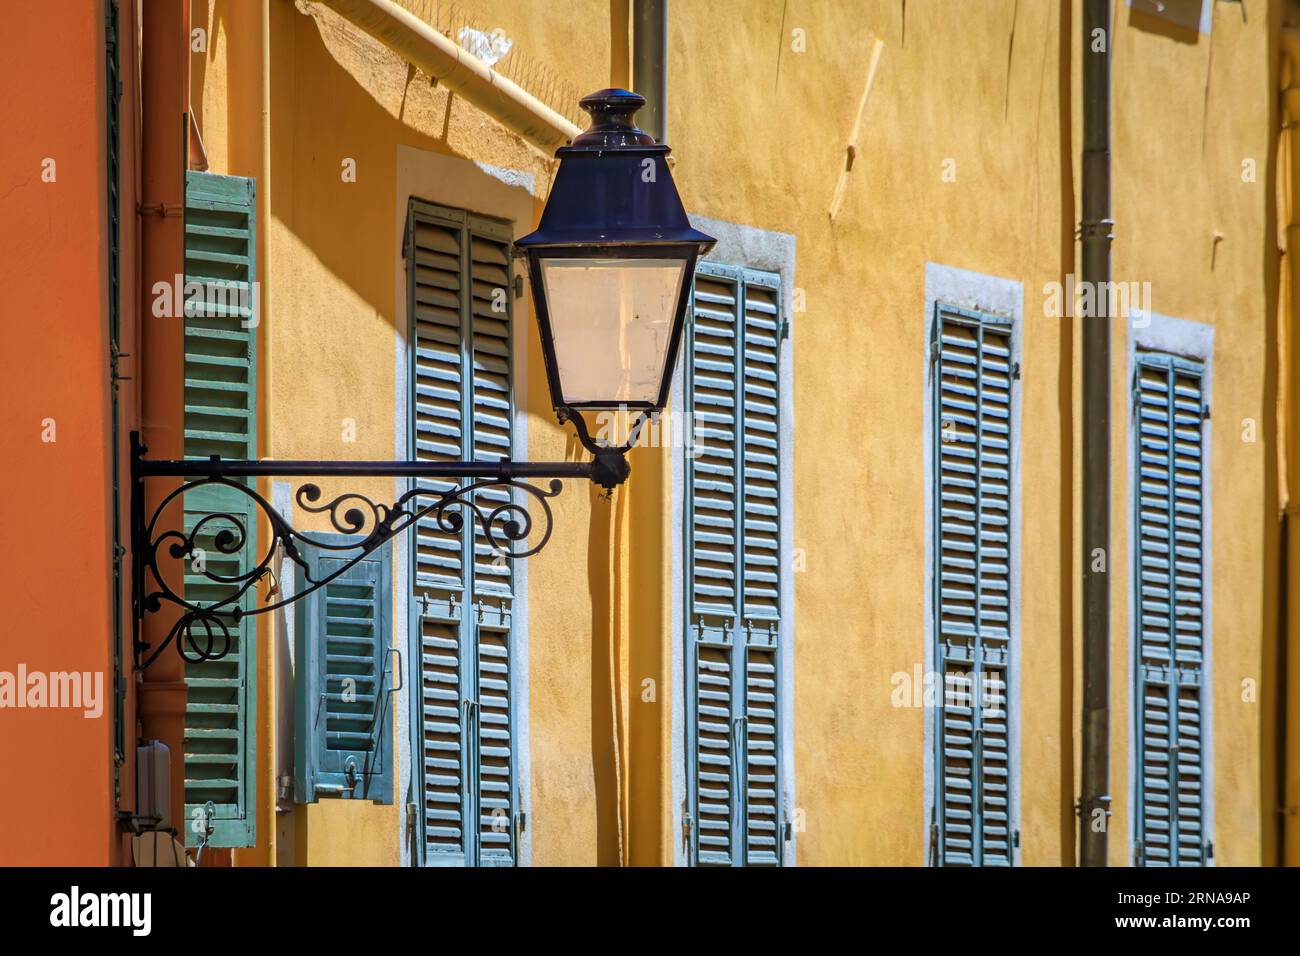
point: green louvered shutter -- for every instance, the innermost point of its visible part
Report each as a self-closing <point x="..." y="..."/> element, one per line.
<point x="460" y="297"/>
<point x="1169" y="406"/>
<point x="734" y="792"/>
<point x="220" y="395"/>
<point x="972" y="379"/>
<point x="344" y="676"/>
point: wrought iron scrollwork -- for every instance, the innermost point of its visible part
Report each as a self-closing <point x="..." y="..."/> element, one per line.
<point x="203" y="631"/>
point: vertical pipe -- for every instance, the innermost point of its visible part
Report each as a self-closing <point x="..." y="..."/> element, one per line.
<point x="1095" y="230"/>
<point x="641" y="616"/>
<point x="1290" y="428"/>
<point x="650" y="64"/>
<point x="164" y="93"/>
<point x="620" y="44"/>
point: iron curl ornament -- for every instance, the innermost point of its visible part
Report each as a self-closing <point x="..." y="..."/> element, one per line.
<point x="203" y="631"/>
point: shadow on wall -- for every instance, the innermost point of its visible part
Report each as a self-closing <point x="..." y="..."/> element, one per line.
<point x="345" y="223"/>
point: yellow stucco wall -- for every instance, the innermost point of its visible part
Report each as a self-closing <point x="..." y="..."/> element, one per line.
<point x="1193" y="223"/>
<point x="759" y="131"/>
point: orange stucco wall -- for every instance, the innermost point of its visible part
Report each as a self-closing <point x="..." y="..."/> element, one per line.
<point x="55" y="537"/>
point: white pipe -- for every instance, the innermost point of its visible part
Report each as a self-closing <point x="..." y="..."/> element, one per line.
<point x="461" y="72"/>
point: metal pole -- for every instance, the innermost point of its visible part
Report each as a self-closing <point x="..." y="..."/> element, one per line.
<point x="223" y="468"/>
<point x="1095" y="233"/>
<point x="650" y="64"/>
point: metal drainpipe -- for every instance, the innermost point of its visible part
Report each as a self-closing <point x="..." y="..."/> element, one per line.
<point x="1095" y="233"/>
<point x="1290" y="432"/>
<point x="650" y="64"/>
<point x="164" y="124"/>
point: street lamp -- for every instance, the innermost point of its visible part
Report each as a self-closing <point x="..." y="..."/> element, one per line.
<point x="611" y="265"/>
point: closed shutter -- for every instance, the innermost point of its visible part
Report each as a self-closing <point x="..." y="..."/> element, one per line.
<point x="460" y="298"/>
<point x="734" y="782"/>
<point x="343" y="676"/>
<point x="220" y="395"/>
<point x="972" y="380"/>
<point x="1169" y="407"/>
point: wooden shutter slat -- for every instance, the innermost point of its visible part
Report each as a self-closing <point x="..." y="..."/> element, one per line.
<point x="343" y="636"/>
<point x="733" y="569"/>
<point x="1169" y="461"/>
<point x="220" y="405"/>
<point x="463" y="409"/>
<point x="973" y="590"/>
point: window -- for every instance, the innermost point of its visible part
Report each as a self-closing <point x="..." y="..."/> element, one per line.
<point x="1169" y="585"/>
<point x="734" y="707"/>
<point x="460" y="298"/>
<point x="974" y="484"/>
<point x="220" y="395"/>
<point x="343" y="677"/>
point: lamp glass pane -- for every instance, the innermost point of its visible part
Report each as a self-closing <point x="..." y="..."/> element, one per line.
<point x="611" y="320"/>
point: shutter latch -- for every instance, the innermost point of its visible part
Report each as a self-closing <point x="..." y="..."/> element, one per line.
<point x="519" y="287"/>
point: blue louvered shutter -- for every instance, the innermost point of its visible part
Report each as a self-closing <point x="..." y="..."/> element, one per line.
<point x="344" y="675"/>
<point x="460" y="300"/>
<point x="220" y="395"/>
<point x="734" y="793"/>
<point x="972" y="378"/>
<point x="1169" y="407"/>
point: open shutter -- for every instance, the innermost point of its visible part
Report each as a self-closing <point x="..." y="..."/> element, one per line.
<point x="461" y="304"/>
<point x="733" y="569"/>
<point x="344" y="679"/>
<point x="220" y="395"/>
<point x="1169" y="407"/>
<point x="972" y="379"/>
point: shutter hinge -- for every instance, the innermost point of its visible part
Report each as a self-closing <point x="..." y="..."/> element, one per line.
<point x="1015" y="370"/>
<point x="934" y="352"/>
<point x="1205" y="412"/>
<point x="934" y="844"/>
<point x="410" y="822"/>
<point x="688" y="824"/>
<point x="521" y="824"/>
<point x="1137" y="854"/>
<point x="406" y="243"/>
<point x="1209" y="851"/>
<point x="785" y="330"/>
<point x="519" y="287"/>
<point x="1015" y="839"/>
<point x="113" y="358"/>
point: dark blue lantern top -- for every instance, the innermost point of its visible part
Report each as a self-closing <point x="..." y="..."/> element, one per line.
<point x="614" y="186"/>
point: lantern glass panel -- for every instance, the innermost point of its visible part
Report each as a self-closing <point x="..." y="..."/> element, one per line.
<point x="611" y="324"/>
